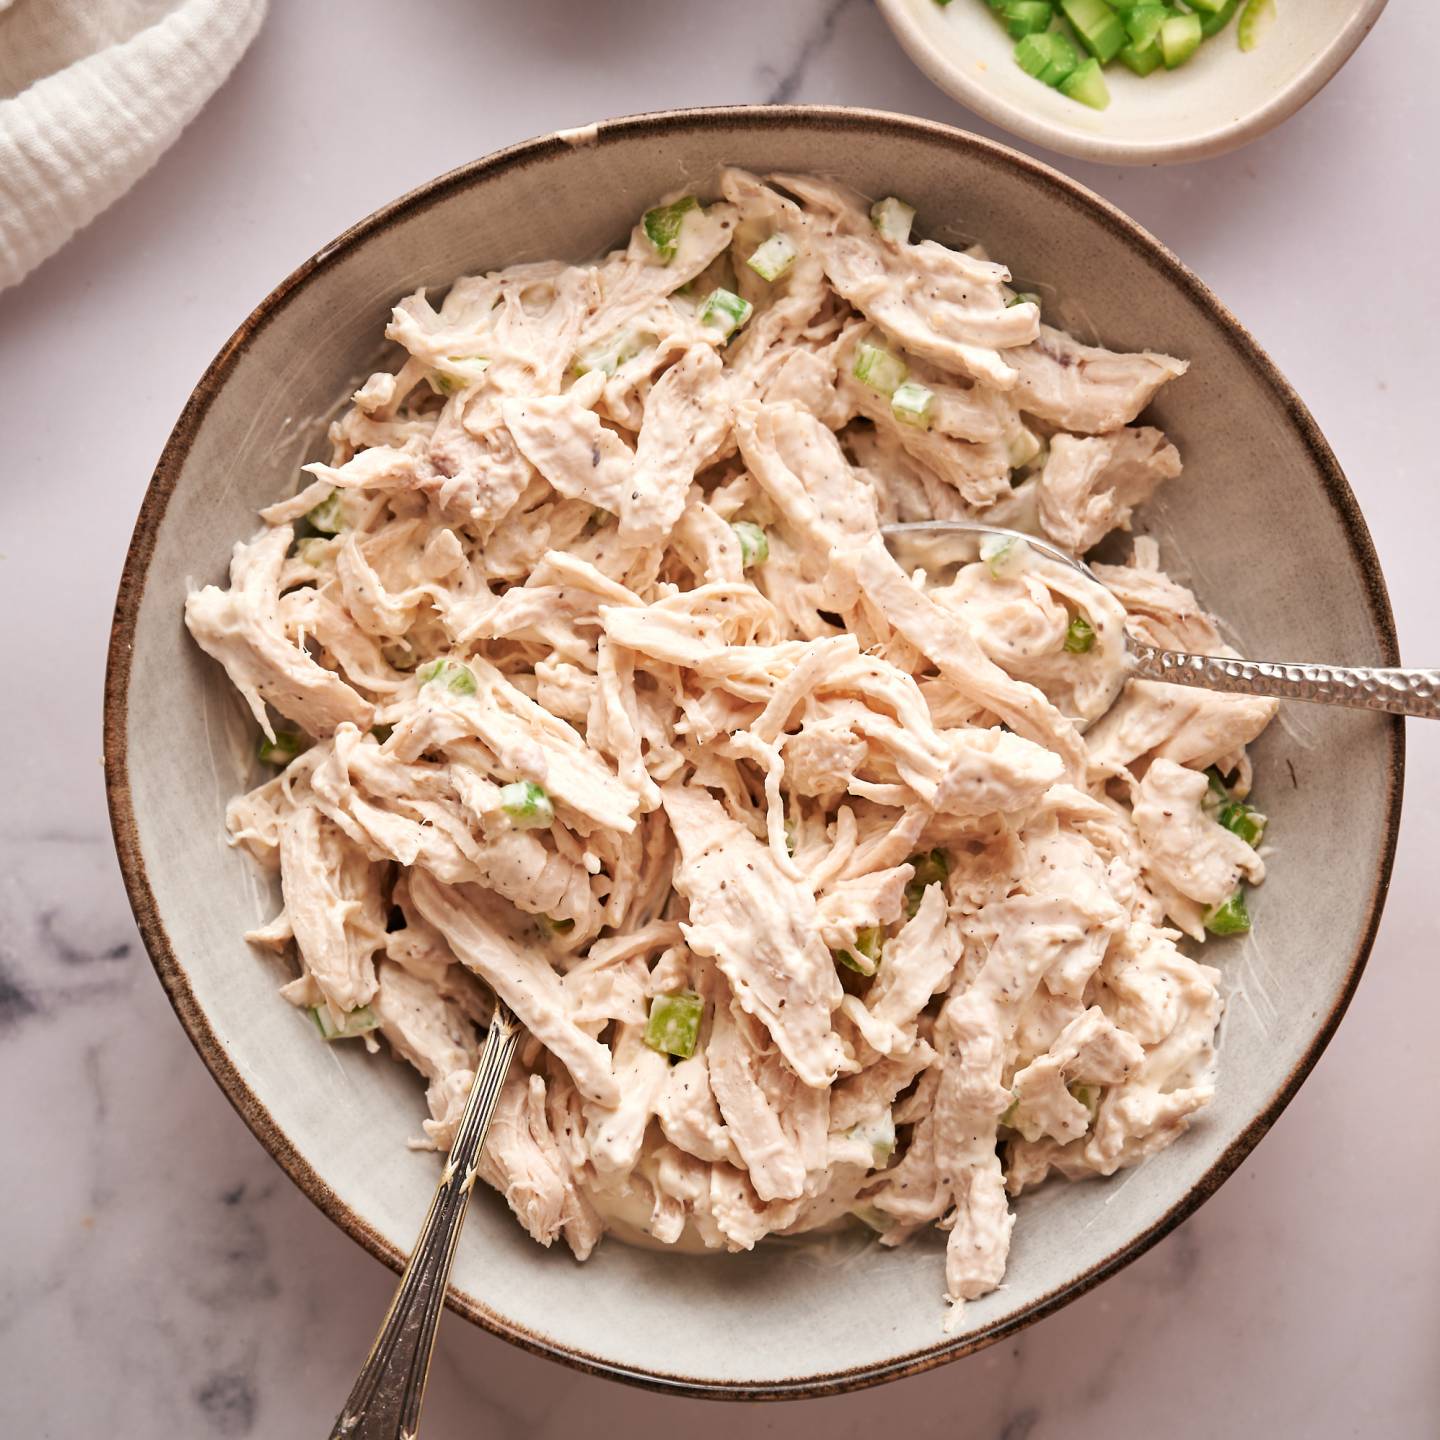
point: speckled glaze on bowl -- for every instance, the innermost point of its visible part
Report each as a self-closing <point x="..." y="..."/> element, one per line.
<point x="1218" y="100"/>
<point x="780" y="1321"/>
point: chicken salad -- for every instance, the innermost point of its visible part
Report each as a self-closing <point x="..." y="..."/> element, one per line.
<point x="822" y="889"/>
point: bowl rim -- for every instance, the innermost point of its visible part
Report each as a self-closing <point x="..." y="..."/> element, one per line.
<point x="959" y="84"/>
<point x="171" y="971"/>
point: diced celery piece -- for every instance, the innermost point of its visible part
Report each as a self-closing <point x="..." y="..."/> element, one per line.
<point x="1180" y="37"/>
<point x="1217" y="20"/>
<point x="1255" y="19"/>
<point x="872" y="1216"/>
<point x="527" y="805"/>
<point x="1142" y="24"/>
<point x="662" y="225"/>
<point x="286" y="745"/>
<point x="674" y="1024"/>
<point x="328" y="517"/>
<point x="1208" y="6"/>
<point x="450" y="674"/>
<point x="314" y="551"/>
<point x="893" y="219"/>
<point x="1142" y="62"/>
<point x="1032" y="54"/>
<point x="399" y="654"/>
<point x="1080" y="636"/>
<point x="352" y="1023"/>
<point x="1216" y="781"/>
<point x="1007" y="1115"/>
<point x="724" y="312"/>
<point x="878" y="368"/>
<point x="611" y="353"/>
<point x="1087" y="85"/>
<point x="879" y="1135"/>
<point x="773" y="257"/>
<point x="913" y="404"/>
<point x="1004" y="555"/>
<point x="1024" y="446"/>
<point x="1240" y="819"/>
<point x="863" y="957"/>
<point x="1027" y="17"/>
<point x="754" y="545"/>
<point x="931" y="868"/>
<point x="551" y="926"/>
<point x="1087" y="1095"/>
<point x="1098" y="27"/>
<point x="1230" y="917"/>
<point x="469" y="368"/>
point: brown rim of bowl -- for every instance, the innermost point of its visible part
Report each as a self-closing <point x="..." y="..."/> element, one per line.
<point x="665" y="124"/>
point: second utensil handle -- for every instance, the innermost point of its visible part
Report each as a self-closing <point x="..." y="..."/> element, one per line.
<point x="385" y="1401"/>
<point x="1399" y="692"/>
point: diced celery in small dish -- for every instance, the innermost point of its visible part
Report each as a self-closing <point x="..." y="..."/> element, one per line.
<point x="1052" y="38"/>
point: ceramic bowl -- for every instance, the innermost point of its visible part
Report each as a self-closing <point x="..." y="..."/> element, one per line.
<point x="1263" y="522"/>
<point x="1219" y="99"/>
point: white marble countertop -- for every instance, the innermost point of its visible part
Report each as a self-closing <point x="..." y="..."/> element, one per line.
<point x="160" y="1276"/>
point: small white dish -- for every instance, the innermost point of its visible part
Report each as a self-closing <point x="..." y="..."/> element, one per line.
<point x="1220" y="99"/>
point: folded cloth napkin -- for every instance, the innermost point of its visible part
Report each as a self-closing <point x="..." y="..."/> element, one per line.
<point x="92" y="93"/>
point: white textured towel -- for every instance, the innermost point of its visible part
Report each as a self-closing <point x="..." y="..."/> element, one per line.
<point x="92" y="93"/>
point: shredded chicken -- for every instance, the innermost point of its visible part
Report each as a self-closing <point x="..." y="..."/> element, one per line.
<point x="821" y="888"/>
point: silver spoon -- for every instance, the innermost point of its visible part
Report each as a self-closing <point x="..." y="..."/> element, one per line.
<point x="936" y="544"/>
<point x="385" y="1402"/>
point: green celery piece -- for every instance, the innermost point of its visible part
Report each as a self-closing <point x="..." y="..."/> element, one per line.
<point x="893" y="218"/>
<point x="878" y="368"/>
<point x="286" y="745"/>
<point x="527" y="805"/>
<point x="1242" y="820"/>
<point x="754" y="544"/>
<point x="1100" y="32"/>
<point x="914" y="404"/>
<point x="1142" y="62"/>
<point x="724" y="312"/>
<point x="1230" y="917"/>
<point x="1049" y="57"/>
<point x="863" y="957"/>
<point x="1080" y="636"/>
<point x="1034" y="53"/>
<point x="1064" y="60"/>
<point x="328" y="517"/>
<point x="455" y="677"/>
<point x="1255" y="19"/>
<point x="1209" y="7"/>
<point x="773" y="257"/>
<point x="1027" y="17"/>
<point x="1087" y="85"/>
<point x="931" y="868"/>
<point x="673" y="1027"/>
<point x="1087" y="1095"/>
<point x="662" y="225"/>
<point x="1142" y="24"/>
<point x="1180" y="37"/>
<point x="355" y="1022"/>
<point x="1217" y="20"/>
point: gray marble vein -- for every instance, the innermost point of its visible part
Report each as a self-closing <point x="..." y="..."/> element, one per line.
<point x="161" y="1276"/>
